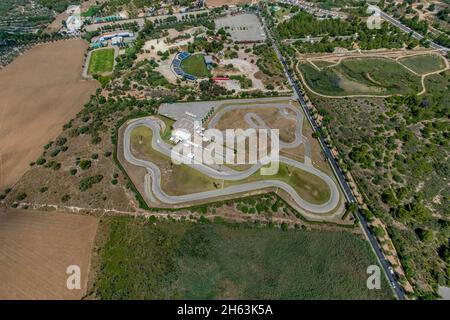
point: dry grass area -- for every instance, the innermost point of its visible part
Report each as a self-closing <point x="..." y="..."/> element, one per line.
<point x="37" y="247"/>
<point x="234" y="119"/>
<point x="40" y="91"/>
<point x="59" y="187"/>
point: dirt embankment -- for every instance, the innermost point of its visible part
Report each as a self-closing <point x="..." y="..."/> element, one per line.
<point x="39" y="92"/>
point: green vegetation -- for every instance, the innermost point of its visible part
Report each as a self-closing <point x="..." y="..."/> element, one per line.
<point x="85" y="164"/>
<point x="195" y="65"/>
<point x="304" y="24"/>
<point x="373" y="76"/>
<point x="244" y="82"/>
<point x="397" y="149"/>
<point x="307" y="185"/>
<point x="269" y="64"/>
<point x="58" y="5"/>
<point x="101" y="61"/>
<point x="88" y="182"/>
<point x="150" y="259"/>
<point x="92" y="11"/>
<point x="424" y="63"/>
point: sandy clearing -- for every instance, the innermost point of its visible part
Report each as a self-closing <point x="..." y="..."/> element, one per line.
<point x="37" y="247"/>
<point x="246" y="68"/>
<point x="39" y="92"/>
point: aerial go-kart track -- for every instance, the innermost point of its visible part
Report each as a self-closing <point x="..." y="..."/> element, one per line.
<point x="304" y="179"/>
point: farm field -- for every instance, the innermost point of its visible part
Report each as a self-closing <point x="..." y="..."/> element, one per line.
<point x="37" y="247"/>
<point x="40" y="91"/>
<point x="369" y="76"/>
<point x="195" y="65"/>
<point x="101" y="62"/>
<point x="183" y="260"/>
<point x="423" y="64"/>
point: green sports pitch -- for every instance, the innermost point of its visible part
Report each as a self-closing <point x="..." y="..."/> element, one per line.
<point x="101" y="61"/>
<point x="195" y="65"/>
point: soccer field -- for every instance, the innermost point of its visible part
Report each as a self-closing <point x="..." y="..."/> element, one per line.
<point x="101" y="61"/>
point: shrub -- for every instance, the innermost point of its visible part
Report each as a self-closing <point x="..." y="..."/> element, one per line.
<point x="61" y="141"/>
<point x="55" y="152"/>
<point x="21" y="196"/>
<point x="43" y="189"/>
<point x="85" y="164"/>
<point x="88" y="182"/>
<point x="73" y="171"/>
<point x="40" y="161"/>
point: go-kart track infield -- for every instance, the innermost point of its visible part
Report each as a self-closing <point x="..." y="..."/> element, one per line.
<point x="153" y="186"/>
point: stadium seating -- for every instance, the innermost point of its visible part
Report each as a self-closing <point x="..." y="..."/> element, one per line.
<point x="176" y="64"/>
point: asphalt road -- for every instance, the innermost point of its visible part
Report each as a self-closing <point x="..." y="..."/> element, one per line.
<point x="229" y="175"/>
<point x="406" y="29"/>
<point x="395" y="285"/>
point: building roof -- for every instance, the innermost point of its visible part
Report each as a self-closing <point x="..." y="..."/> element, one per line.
<point x="209" y="59"/>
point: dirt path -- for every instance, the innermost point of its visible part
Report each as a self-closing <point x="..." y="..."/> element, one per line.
<point x="39" y="92"/>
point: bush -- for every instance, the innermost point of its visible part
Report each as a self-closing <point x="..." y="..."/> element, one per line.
<point x="88" y="182"/>
<point x="21" y="196"/>
<point x="61" y="141"/>
<point x="55" y="152"/>
<point x="114" y="181"/>
<point x="73" y="171"/>
<point x="40" y="161"/>
<point x="65" y="198"/>
<point x="85" y="164"/>
<point x="43" y="189"/>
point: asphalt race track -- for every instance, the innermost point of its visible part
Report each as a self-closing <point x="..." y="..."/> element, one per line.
<point x="153" y="185"/>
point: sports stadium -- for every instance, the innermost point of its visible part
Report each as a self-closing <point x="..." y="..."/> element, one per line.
<point x="176" y="66"/>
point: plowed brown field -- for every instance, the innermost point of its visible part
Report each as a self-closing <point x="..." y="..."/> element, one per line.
<point x="37" y="247"/>
<point x="39" y="92"/>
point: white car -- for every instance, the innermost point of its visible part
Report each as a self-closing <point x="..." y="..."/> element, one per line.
<point x="391" y="270"/>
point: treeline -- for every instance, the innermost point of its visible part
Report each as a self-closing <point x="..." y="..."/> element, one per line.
<point x="304" y="24"/>
<point x="416" y="24"/>
<point x="58" y="5"/>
